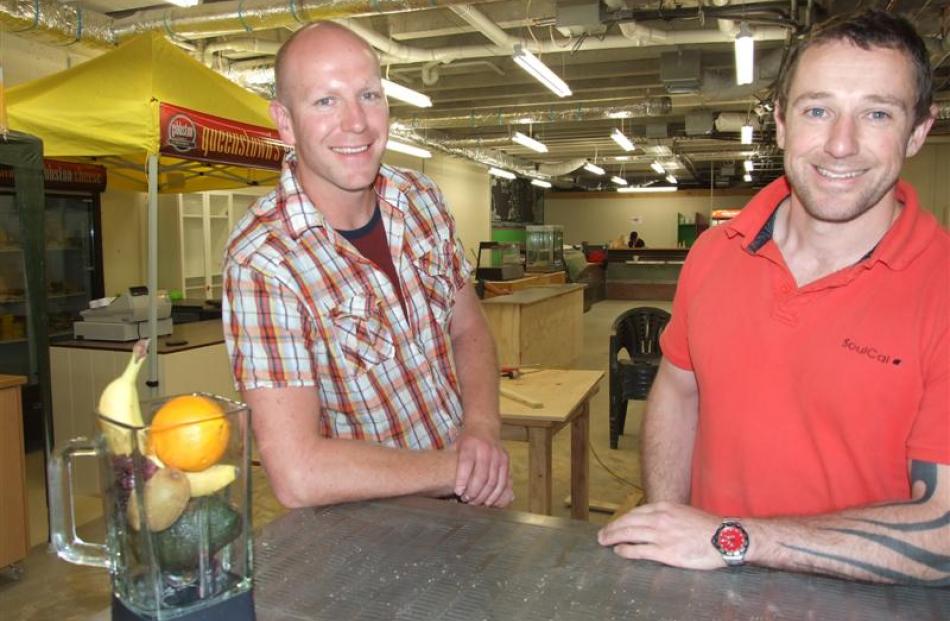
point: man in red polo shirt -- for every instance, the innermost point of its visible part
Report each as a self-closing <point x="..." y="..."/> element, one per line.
<point x="801" y="416"/>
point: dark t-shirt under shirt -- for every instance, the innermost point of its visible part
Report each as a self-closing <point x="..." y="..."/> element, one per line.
<point x="370" y="240"/>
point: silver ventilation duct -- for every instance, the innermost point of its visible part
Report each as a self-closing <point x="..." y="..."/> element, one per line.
<point x="657" y="106"/>
<point x="62" y="24"/>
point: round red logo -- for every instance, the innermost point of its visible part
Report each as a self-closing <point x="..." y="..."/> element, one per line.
<point x="181" y="133"/>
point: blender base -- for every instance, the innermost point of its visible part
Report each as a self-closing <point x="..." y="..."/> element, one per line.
<point x="237" y="608"/>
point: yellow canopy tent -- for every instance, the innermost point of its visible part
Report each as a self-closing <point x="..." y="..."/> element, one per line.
<point x="159" y="121"/>
<point x="109" y="108"/>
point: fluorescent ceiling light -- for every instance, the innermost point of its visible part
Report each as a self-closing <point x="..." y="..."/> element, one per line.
<point x="594" y="168"/>
<point x="527" y="141"/>
<point x="622" y="140"/>
<point x="619" y="180"/>
<point x="408" y="149"/>
<point x="402" y="93"/>
<point x="747" y="178"/>
<point x="501" y="173"/>
<point x="745" y="54"/>
<point x="746" y="133"/>
<point x="658" y="167"/>
<point x="671" y="178"/>
<point x="183" y="3"/>
<point x="540" y="183"/>
<point x="620" y="114"/>
<point x="642" y="190"/>
<point x="622" y="158"/>
<point x="747" y="165"/>
<point x="530" y="63"/>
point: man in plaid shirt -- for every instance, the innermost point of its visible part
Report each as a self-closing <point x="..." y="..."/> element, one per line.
<point x="353" y="331"/>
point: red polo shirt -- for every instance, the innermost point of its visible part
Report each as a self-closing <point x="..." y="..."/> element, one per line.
<point x="813" y="399"/>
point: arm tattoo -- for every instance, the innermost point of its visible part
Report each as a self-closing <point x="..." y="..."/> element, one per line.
<point x="910" y="527"/>
<point x="878" y="570"/>
<point x="926" y="473"/>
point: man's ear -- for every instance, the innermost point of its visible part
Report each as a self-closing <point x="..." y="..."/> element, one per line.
<point x="282" y="119"/>
<point x="778" y="115"/>
<point x="919" y="133"/>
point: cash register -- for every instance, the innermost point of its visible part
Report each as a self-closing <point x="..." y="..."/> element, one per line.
<point x="124" y="317"/>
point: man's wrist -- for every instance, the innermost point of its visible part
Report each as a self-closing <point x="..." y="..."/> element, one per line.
<point x="485" y="424"/>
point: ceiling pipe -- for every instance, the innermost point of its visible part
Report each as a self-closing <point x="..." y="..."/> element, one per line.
<point x="67" y="24"/>
<point x="655" y="106"/>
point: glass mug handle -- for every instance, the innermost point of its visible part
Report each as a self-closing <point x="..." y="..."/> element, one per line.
<point x="66" y="541"/>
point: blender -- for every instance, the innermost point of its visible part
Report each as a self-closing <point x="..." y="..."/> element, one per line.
<point x="176" y="503"/>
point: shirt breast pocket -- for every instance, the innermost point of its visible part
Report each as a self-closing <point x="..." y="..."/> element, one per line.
<point x="433" y="266"/>
<point x="362" y="333"/>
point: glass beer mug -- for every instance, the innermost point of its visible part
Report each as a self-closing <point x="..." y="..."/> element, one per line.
<point x="176" y="501"/>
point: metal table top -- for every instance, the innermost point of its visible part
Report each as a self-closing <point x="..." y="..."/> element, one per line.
<point x="417" y="558"/>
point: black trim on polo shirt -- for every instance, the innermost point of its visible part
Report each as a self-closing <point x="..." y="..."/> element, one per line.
<point x="765" y="234"/>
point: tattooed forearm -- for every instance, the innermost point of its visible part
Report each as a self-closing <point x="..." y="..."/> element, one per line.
<point x="910" y="527"/>
<point x="906" y="542"/>
<point x="877" y="570"/>
<point x="940" y="562"/>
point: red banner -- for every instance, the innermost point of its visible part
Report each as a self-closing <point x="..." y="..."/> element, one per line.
<point x="60" y="175"/>
<point x="196" y="136"/>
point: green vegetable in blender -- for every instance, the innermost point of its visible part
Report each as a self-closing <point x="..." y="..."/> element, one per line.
<point x="177" y="547"/>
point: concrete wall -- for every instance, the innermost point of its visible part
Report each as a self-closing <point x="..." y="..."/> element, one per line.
<point x="599" y="217"/>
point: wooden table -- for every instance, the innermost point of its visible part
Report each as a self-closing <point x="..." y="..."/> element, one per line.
<point x="565" y="395"/>
<point x="504" y="287"/>
<point x="418" y="558"/>
<point x="541" y="325"/>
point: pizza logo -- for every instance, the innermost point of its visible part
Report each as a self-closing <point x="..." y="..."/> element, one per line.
<point x="182" y="134"/>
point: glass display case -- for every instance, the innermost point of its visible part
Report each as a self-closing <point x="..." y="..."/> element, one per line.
<point x="73" y="276"/>
<point x="499" y="261"/>
<point x="544" y="248"/>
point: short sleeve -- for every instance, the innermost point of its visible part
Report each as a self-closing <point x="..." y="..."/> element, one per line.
<point x="674" y="342"/>
<point x="267" y="331"/>
<point x="459" y="267"/>
<point x="930" y="435"/>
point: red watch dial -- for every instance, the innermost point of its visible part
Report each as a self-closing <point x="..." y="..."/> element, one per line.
<point x="731" y="539"/>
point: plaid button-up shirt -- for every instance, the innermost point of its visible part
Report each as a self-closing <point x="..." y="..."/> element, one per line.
<point x="302" y="307"/>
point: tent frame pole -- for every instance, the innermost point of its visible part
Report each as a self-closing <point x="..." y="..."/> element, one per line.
<point x="152" y="381"/>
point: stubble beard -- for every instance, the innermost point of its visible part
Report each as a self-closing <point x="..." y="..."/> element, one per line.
<point x="837" y="208"/>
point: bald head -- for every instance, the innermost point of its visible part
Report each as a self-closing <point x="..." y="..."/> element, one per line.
<point x="329" y="37"/>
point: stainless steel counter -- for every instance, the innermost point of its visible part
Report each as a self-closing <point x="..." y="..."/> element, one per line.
<point x="424" y="559"/>
<point x="184" y="336"/>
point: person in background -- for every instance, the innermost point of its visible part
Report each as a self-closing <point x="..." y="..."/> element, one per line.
<point x="354" y="333"/>
<point x="801" y="415"/>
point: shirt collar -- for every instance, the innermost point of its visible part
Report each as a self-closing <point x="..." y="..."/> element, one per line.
<point x="299" y="214"/>
<point x="907" y="237"/>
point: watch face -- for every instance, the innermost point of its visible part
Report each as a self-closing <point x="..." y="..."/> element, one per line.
<point x="730" y="539"/>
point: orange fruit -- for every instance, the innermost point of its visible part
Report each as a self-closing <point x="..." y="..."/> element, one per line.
<point x="189" y="433"/>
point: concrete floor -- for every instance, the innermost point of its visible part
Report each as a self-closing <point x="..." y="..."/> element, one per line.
<point x="49" y="589"/>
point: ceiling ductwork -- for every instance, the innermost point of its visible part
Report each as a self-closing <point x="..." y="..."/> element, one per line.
<point x="62" y="24"/>
<point x="657" y="106"/>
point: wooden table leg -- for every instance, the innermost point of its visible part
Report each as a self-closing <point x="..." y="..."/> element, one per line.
<point x="580" y="464"/>
<point x="539" y="470"/>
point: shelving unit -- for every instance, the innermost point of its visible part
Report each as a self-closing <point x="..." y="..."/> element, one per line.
<point x="205" y="222"/>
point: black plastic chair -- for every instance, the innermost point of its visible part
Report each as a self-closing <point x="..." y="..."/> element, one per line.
<point x="638" y="331"/>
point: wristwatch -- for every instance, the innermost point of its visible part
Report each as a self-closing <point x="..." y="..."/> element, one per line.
<point x="731" y="541"/>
